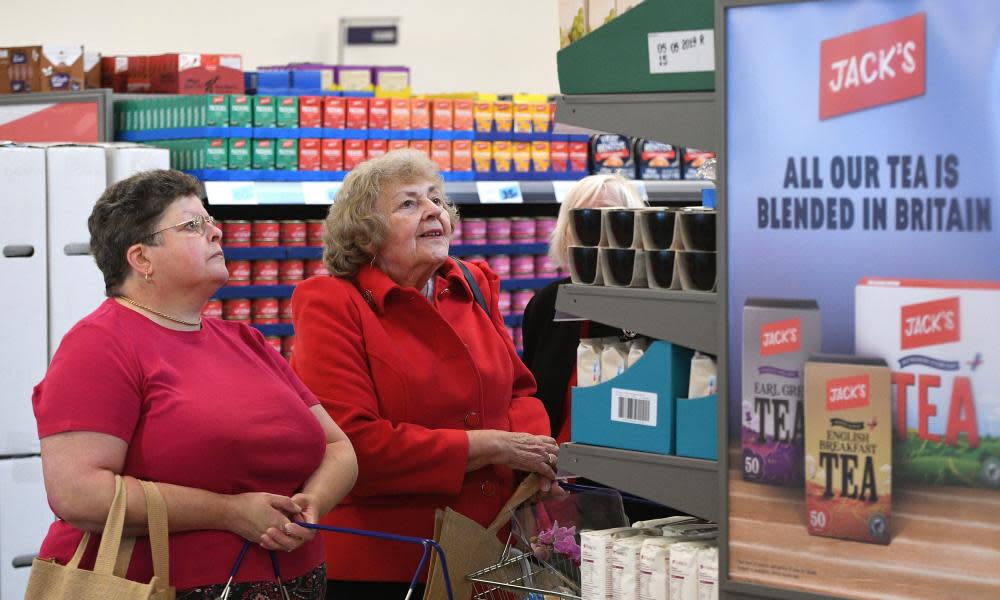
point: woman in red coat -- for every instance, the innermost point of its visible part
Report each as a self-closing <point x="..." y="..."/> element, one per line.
<point x="424" y="379"/>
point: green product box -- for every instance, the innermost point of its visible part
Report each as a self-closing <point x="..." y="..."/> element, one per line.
<point x="216" y="110"/>
<point x="286" y="155"/>
<point x="288" y="111"/>
<point x="263" y="154"/>
<point x="239" y="153"/>
<point x="240" y="110"/>
<point x="264" y="113"/>
<point x="216" y="154"/>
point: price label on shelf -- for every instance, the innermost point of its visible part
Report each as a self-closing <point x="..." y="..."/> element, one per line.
<point x="320" y="192"/>
<point x="231" y="192"/>
<point x="499" y="192"/>
<point x="681" y="51"/>
<point x="561" y="188"/>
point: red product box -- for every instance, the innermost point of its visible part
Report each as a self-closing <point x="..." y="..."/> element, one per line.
<point x="441" y="154"/>
<point x="461" y="155"/>
<point x="578" y="156"/>
<point x="378" y="113"/>
<point x="398" y="145"/>
<point x="137" y="74"/>
<point x="332" y="155"/>
<point x="355" y="153"/>
<point x="442" y="114"/>
<point x="421" y="145"/>
<point x="463" y="119"/>
<point x="376" y="148"/>
<point x="559" y="155"/>
<point x="399" y="114"/>
<point x="357" y="113"/>
<point x="186" y="73"/>
<point x="334" y="112"/>
<point x="420" y="115"/>
<point x="309" y="154"/>
<point x="310" y="111"/>
<point x="114" y="73"/>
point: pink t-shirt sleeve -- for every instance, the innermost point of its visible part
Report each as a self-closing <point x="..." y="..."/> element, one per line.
<point x="93" y="384"/>
<point x="280" y="365"/>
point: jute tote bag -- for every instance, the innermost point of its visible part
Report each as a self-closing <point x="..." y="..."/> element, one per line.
<point x="52" y="581"/>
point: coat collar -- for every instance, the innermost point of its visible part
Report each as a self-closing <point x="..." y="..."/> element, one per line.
<point x="375" y="286"/>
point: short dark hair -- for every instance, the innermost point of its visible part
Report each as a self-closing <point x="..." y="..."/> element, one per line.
<point x="126" y="213"/>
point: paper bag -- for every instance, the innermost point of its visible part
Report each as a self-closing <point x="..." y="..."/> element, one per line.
<point x="468" y="546"/>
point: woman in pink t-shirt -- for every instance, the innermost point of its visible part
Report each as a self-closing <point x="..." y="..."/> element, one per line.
<point x="147" y="388"/>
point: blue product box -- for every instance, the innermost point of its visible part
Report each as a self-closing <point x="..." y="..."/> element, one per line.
<point x="635" y="410"/>
<point x="697" y="427"/>
<point x="273" y="79"/>
<point x="306" y="80"/>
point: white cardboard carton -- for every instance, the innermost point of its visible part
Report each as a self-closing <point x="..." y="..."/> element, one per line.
<point x="76" y="176"/>
<point x="24" y="306"/>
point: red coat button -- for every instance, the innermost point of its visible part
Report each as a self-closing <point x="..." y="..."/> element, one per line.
<point x="488" y="488"/>
<point x="472" y="420"/>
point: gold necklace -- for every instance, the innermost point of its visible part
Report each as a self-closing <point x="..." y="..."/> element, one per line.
<point x="159" y="314"/>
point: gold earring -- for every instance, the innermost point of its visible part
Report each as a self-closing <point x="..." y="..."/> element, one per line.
<point x="147" y="277"/>
<point x="373" y="261"/>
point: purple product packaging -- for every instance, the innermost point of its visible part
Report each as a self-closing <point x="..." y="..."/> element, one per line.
<point x="779" y="335"/>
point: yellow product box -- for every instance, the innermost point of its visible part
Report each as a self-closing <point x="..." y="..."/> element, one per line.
<point x="503" y="154"/>
<point x="540" y="117"/>
<point x="521" y="152"/>
<point x="540" y="156"/>
<point x="503" y="117"/>
<point x="522" y="118"/>
<point x="482" y="156"/>
<point x="483" y="115"/>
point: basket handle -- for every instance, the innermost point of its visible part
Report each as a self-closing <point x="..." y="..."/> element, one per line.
<point x="426" y="543"/>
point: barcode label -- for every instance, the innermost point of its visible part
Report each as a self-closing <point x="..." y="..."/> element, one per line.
<point x="632" y="406"/>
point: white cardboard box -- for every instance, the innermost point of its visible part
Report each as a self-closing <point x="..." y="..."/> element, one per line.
<point x="125" y="159"/>
<point x="76" y="176"/>
<point x="24" y="305"/>
<point x="24" y="520"/>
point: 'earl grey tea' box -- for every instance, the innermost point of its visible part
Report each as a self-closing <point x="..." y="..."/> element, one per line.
<point x="778" y="336"/>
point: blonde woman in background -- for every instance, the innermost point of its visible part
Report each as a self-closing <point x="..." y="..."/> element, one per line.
<point x="550" y="346"/>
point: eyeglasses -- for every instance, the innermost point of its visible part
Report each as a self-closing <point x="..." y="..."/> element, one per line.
<point x="195" y="225"/>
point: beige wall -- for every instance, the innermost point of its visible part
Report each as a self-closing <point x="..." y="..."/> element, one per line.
<point x="450" y="45"/>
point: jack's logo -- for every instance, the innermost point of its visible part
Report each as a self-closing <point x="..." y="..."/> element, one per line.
<point x="930" y="323"/>
<point x="874" y="66"/>
<point x="780" y="337"/>
<point x="848" y="392"/>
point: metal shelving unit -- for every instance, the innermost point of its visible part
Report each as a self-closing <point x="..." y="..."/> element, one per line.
<point x="687" y="484"/>
<point x="686" y="119"/>
<point x="685" y="318"/>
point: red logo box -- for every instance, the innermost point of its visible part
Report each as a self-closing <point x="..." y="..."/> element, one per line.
<point x="930" y="323"/>
<point x="848" y="392"/>
<point x="780" y="337"/>
<point x="874" y="66"/>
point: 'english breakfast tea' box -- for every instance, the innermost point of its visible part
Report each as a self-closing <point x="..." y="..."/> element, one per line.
<point x="942" y="342"/>
<point x="778" y="336"/>
<point x="848" y="448"/>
